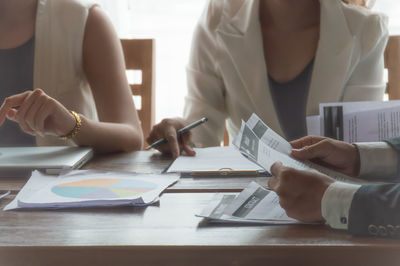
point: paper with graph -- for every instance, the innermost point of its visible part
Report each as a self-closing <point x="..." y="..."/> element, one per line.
<point x="90" y="189"/>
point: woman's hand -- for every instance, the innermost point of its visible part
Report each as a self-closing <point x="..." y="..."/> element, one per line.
<point x="337" y="155"/>
<point x="37" y="114"/>
<point x="167" y="129"/>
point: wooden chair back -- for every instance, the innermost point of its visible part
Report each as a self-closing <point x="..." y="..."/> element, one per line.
<point x="226" y="136"/>
<point x="140" y="55"/>
<point x="392" y="64"/>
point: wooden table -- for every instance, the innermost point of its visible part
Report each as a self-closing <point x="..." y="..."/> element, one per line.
<point x="170" y="234"/>
<point x="151" y="162"/>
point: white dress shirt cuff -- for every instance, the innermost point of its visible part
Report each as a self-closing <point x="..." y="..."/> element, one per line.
<point x="377" y="159"/>
<point x="336" y="203"/>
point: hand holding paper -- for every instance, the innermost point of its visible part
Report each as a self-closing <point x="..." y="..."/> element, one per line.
<point x="300" y="191"/>
<point x="337" y="155"/>
<point x="262" y="153"/>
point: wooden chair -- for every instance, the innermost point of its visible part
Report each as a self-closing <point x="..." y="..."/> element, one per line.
<point x="392" y="64"/>
<point x="226" y="136"/>
<point x="140" y="55"/>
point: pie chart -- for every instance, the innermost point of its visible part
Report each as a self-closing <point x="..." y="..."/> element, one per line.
<point x="103" y="188"/>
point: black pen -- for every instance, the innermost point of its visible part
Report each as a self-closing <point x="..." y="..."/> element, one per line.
<point x="178" y="133"/>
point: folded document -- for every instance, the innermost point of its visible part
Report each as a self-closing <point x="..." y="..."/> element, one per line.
<point x="254" y="204"/>
<point x="265" y="151"/>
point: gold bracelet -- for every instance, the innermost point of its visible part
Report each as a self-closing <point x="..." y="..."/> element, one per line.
<point x="76" y="129"/>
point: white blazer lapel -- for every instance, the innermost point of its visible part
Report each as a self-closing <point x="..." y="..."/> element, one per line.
<point x="333" y="57"/>
<point x="241" y="37"/>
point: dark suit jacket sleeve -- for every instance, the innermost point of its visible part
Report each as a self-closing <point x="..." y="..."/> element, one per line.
<point x="375" y="211"/>
<point x="395" y="143"/>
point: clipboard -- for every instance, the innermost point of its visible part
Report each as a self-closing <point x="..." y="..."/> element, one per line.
<point x="215" y="161"/>
<point x="224" y="172"/>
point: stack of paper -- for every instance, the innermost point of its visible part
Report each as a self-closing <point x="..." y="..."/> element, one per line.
<point x="253" y="205"/>
<point x="91" y="189"/>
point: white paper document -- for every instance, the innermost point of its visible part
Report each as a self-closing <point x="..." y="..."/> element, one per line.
<point x="213" y="159"/>
<point x="356" y="121"/>
<point x="374" y="125"/>
<point x="254" y="204"/>
<point x="267" y="135"/>
<point x="255" y="149"/>
<point x="91" y="188"/>
<point x="313" y="125"/>
<point x="5" y="194"/>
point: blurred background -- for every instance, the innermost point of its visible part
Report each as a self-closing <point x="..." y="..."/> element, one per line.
<point x="171" y="23"/>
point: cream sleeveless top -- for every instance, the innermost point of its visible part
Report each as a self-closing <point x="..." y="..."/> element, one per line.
<point x="58" y="63"/>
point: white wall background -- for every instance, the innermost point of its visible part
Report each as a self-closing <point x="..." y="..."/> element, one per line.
<point x="392" y="9"/>
<point x="171" y="23"/>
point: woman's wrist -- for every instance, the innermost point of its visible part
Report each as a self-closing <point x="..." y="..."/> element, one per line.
<point x="77" y="127"/>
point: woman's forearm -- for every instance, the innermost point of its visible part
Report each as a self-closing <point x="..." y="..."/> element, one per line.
<point x="109" y="137"/>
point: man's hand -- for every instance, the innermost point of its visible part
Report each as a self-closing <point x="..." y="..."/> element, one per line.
<point x="167" y="129"/>
<point x="300" y="192"/>
<point x="337" y="155"/>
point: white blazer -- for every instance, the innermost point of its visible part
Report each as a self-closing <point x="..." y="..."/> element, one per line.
<point x="227" y="75"/>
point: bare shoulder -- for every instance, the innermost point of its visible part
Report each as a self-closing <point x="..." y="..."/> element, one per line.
<point x="100" y="36"/>
<point x="98" y="23"/>
<point x="102" y="52"/>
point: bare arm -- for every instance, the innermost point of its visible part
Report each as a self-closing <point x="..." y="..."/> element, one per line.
<point x="119" y="126"/>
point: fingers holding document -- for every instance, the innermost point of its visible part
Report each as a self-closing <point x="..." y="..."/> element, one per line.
<point x="174" y="144"/>
<point x="334" y="154"/>
<point x="300" y="192"/>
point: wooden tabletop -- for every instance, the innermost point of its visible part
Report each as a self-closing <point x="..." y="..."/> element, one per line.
<point x="169" y="233"/>
<point x="151" y="162"/>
